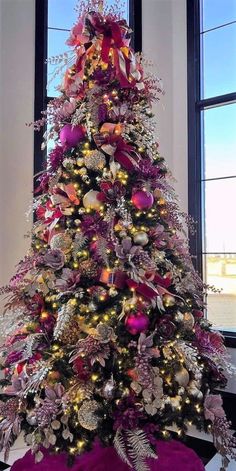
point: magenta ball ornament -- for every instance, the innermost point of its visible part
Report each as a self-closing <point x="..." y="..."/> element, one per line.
<point x="142" y="199"/>
<point x="71" y="135"/>
<point x="137" y="323"/>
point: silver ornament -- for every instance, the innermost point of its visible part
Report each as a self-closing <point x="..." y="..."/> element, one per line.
<point x="109" y="389"/>
<point x="141" y="238"/>
<point x="182" y="377"/>
<point x="179" y="317"/>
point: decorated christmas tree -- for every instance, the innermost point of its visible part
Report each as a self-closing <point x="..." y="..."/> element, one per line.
<point x="105" y="336"/>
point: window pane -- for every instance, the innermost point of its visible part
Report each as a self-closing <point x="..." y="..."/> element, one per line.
<point x="217" y="12"/>
<point x="220" y="220"/>
<point x="61" y="13"/>
<point x="56" y="45"/>
<point x="220" y="272"/>
<point x="219" y="137"/>
<point x="219" y="61"/>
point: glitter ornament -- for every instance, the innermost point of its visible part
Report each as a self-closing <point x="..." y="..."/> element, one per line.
<point x="95" y="160"/>
<point x="91" y="201"/>
<point x="137" y="323"/>
<point x="142" y="199"/>
<point x="87" y="415"/>
<point x="188" y="321"/>
<point x="182" y="377"/>
<point x="141" y="238"/>
<point x="61" y="241"/>
<point x="71" y="135"/>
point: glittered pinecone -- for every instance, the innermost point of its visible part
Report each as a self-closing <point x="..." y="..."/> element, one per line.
<point x="88" y="269"/>
<point x="95" y="160"/>
<point x="70" y="334"/>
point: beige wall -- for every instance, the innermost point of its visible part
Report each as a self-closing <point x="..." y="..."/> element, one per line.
<point x="16" y="141"/>
<point x="165" y="42"/>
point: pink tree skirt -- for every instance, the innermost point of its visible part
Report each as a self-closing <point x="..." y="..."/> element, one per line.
<point x="172" y="456"/>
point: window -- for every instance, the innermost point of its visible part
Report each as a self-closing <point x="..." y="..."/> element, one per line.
<point x="54" y="19"/>
<point x="212" y="151"/>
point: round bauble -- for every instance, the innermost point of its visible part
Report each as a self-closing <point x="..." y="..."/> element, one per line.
<point x="87" y="415"/>
<point x="141" y="238"/>
<point x="137" y="323"/>
<point x="142" y="199"/>
<point x="71" y="135"/>
<point x="53" y="376"/>
<point x="95" y="160"/>
<point x="188" y="321"/>
<point x="182" y="377"/>
<point x="168" y="300"/>
<point x="61" y="241"/>
<point x="91" y="201"/>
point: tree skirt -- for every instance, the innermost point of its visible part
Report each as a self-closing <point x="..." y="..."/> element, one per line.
<point x="172" y="456"/>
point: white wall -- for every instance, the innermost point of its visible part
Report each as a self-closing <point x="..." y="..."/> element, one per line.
<point x="165" y="42"/>
<point x="17" y="26"/>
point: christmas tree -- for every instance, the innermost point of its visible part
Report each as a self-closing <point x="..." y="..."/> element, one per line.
<point x="104" y="328"/>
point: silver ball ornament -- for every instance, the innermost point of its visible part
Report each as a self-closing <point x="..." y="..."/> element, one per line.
<point x="141" y="238"/>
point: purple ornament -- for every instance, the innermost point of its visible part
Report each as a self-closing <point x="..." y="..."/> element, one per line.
<point x="142" y="199"/>
<point x="70" y="135"/>
<point x="137" y="323"/>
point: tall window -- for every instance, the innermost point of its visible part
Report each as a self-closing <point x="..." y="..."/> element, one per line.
<point x="212" y="151"/>
<point x="54" y="19"/>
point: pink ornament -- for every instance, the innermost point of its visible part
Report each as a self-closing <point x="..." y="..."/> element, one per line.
<point x="142" y="199"/>
<point x="71" y="135"/>
<point x="137" y="323"/>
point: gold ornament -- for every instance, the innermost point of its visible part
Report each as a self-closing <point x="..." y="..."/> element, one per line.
<point x="141" y="238"/>
<point x="182" y="377"/>
<point x="61" y="241"/>
<point x="90" y="200"/>
<point x="95" y="160"/>
<point x="53" y="376"/>
<point x="188" y="321"/>
<point x="80" y="162"/>
<point x="87" y="415"/>
<point x="168" y="300"/>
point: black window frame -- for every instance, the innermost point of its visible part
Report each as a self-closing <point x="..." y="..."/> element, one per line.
<point x="195" y="105"/>
<point x="41" y="43"/>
